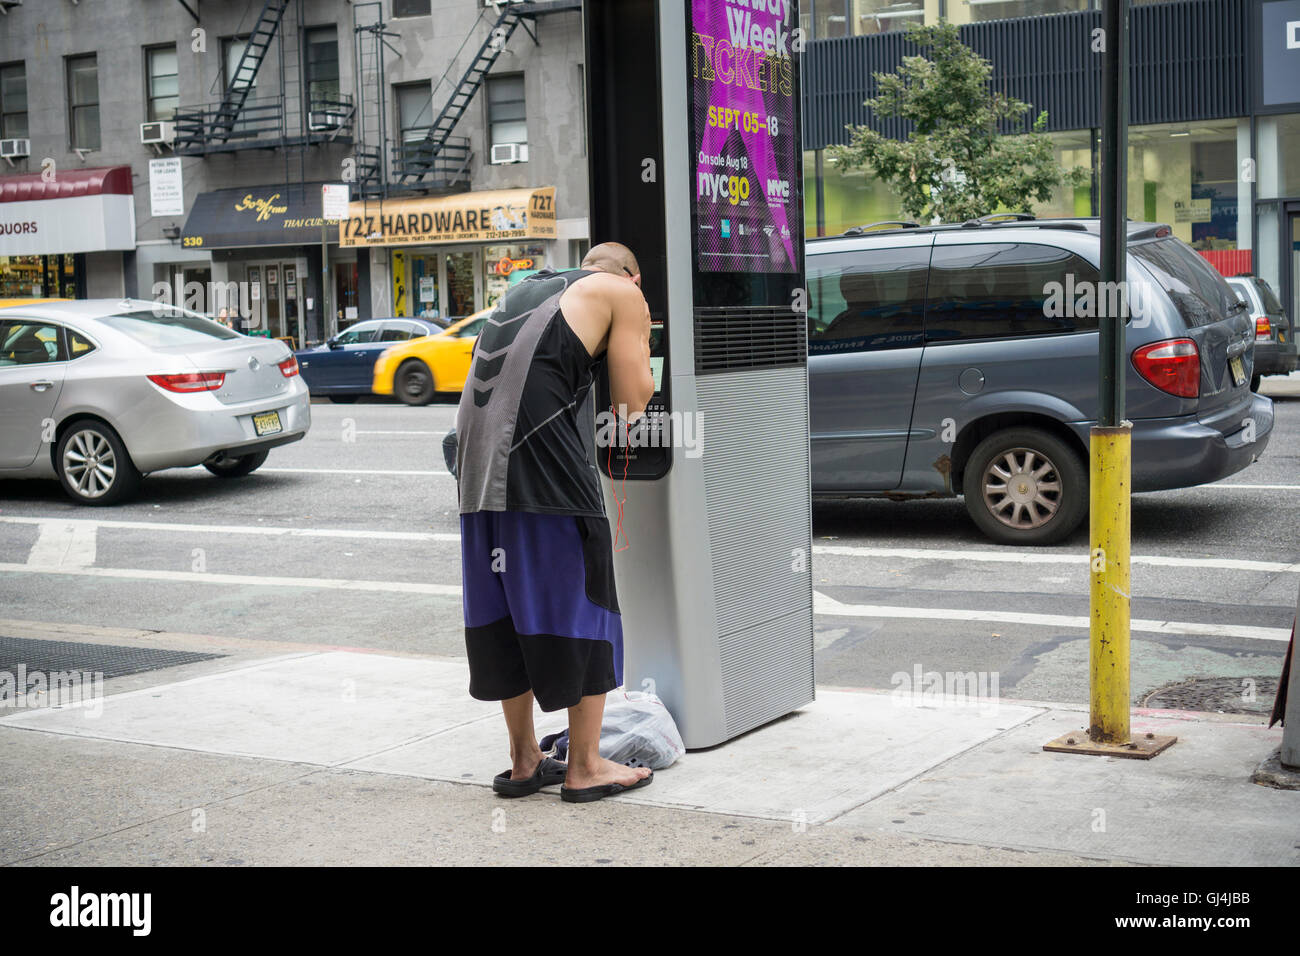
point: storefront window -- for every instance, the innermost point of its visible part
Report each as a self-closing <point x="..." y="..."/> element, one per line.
<point x="346" y="284"/>
<point x="424" y="294"/>
<point x="1279" y="156"/>
<point x="1072" y="148"/>
<point x="1186" y="175"/>
<point x="460" y="284"/>
<point x="507" y="265"/>
<point x="38" y="277"/>
<point x="853" y="198"/>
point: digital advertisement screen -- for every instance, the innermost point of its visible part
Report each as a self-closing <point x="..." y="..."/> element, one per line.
<point x="745" y="137"/>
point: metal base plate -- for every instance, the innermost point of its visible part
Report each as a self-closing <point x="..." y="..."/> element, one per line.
<point x="1141" y="747"/>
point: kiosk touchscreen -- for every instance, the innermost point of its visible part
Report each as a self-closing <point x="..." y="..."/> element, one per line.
<point x="696" y="164"/>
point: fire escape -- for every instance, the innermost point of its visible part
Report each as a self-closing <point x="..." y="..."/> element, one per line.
<point x="439" y="160"/>
<point x="291" y="117"/>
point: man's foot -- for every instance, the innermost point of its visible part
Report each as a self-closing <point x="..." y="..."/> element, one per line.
<point x="547" y="773"/>
<point x="525" y="766"/>
<point x="606" y="778"/>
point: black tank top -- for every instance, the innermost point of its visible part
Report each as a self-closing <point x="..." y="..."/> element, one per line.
<point x="524" y="425"/>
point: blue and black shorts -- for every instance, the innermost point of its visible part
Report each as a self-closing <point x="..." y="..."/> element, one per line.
<point x="541" y="612"/>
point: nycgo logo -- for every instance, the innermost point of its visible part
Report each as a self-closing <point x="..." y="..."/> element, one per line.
<point x="719" y="186"/>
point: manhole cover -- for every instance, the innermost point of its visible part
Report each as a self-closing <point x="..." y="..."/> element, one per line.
<point x="1225" y="695"/>
<point x="111" y="660"/>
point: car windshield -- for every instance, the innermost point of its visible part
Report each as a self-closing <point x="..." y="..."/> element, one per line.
<point x="1201" y="295"/>
<point x="162" y="326"/>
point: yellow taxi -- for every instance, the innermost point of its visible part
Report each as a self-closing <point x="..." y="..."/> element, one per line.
<point x="417" y="370"/>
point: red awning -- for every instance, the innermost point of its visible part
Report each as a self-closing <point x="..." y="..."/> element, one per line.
<point x="66" y="183"/>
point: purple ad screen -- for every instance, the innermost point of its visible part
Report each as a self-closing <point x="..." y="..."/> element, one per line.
<point x="744" y="136"/>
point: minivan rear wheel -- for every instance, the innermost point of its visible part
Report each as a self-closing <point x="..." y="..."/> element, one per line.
<point x="1025" y="486"/>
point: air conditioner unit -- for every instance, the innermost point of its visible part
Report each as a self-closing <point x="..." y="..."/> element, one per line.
<point x="510" y="153"/>
<point x="15" y="148"/>
<point x="319" y="121"/>
<point x="162" y="131"/>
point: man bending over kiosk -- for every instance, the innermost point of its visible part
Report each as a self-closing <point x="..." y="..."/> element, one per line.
<point x="541" y="612"/>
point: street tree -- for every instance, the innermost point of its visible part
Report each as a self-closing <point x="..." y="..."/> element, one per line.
<point x="955" y="163"/>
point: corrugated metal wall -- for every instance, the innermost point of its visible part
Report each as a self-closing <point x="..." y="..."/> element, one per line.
<point x="1190" y="60"/>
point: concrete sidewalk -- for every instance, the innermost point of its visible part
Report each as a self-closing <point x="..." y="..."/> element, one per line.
<point x="292" y="754"/>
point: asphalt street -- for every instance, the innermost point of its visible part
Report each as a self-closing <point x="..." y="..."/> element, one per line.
<point x="350" y="538"/>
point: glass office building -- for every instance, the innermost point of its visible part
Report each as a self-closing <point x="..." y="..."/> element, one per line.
<point x="1214" y="135"/>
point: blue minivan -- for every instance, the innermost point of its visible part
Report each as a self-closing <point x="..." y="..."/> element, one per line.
<point x="962" y="360"/>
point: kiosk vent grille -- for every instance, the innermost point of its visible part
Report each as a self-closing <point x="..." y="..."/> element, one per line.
<point x="727" y="339"/>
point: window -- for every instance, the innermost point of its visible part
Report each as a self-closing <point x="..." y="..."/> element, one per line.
<point x="582" y="107"/>
<point x="988" y="290"/>
<point x="13" y="101"/>
<point x="83" y="101"/>
<point x="360" y="334"/>
<point x="163" y="326"/>
<point x="471" y="329"/>
<point x="398" y="332"/>
<point x="161" y="88"/>
<point x="78" y="344"/>
<point x="29" y="343"/>
<point x="322" y="66"/>
<point x="232" y="51"/>
<point x="410" y="8"/>
<point x="505" y="105"/>
<point x="414" y="111"/>
<point x="1201" y="295"/>
<point x="868" y="300"/>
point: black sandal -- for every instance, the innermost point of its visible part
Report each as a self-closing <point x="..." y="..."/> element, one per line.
<point x="591" y="794"/>
<point x="548" y="773"/>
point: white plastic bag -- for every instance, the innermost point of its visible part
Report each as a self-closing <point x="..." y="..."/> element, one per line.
<point x="637" y="730"/>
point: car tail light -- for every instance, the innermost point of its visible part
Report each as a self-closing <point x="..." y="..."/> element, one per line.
<point x="1173" y="366"/>
<point x="289" y="367"/>
<point x="190" y="381"/>
<point x="1263" y="331"/>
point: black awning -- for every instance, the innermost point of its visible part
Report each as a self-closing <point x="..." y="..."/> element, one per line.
<point x="277" y="215"/>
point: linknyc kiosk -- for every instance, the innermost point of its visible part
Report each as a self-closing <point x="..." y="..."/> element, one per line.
<point x="696" y="164"/>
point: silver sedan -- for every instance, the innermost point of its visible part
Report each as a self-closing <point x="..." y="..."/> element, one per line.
<point x="98" y="393"/>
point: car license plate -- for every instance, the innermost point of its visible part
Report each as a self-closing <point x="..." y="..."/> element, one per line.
<point x="267" y="423"/>
<point x="1238" y="370"/>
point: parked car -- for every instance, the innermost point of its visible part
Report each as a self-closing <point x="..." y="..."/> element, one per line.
<point x="1276" y="352"/>
<point x="418" y="370"/>
<point x="342" y="367"/>
<point x="100" y="392"/>
<point x="945" y="361"/>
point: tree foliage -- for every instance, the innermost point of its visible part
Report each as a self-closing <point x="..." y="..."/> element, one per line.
<point x="955" y="164"/>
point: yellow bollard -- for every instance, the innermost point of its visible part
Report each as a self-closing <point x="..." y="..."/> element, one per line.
<point x="1110" y="496"/>
<point x="1109" y="536"/>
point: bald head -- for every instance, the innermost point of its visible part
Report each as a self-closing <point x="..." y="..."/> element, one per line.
<point x="612" y="257"/>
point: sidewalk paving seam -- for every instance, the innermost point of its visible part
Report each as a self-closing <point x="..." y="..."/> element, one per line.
<point x="140" y="823"/>
<point x="933" y="767"/>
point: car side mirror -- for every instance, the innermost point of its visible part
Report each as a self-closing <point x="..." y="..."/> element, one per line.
<point x="334" y="344"/>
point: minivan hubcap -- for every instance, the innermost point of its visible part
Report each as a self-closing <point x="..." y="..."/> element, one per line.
<point x="1022" y="488"/>
<point x="89" y="463"/>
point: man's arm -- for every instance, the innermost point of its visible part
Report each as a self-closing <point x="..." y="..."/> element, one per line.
<point x="631" y="383"/>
